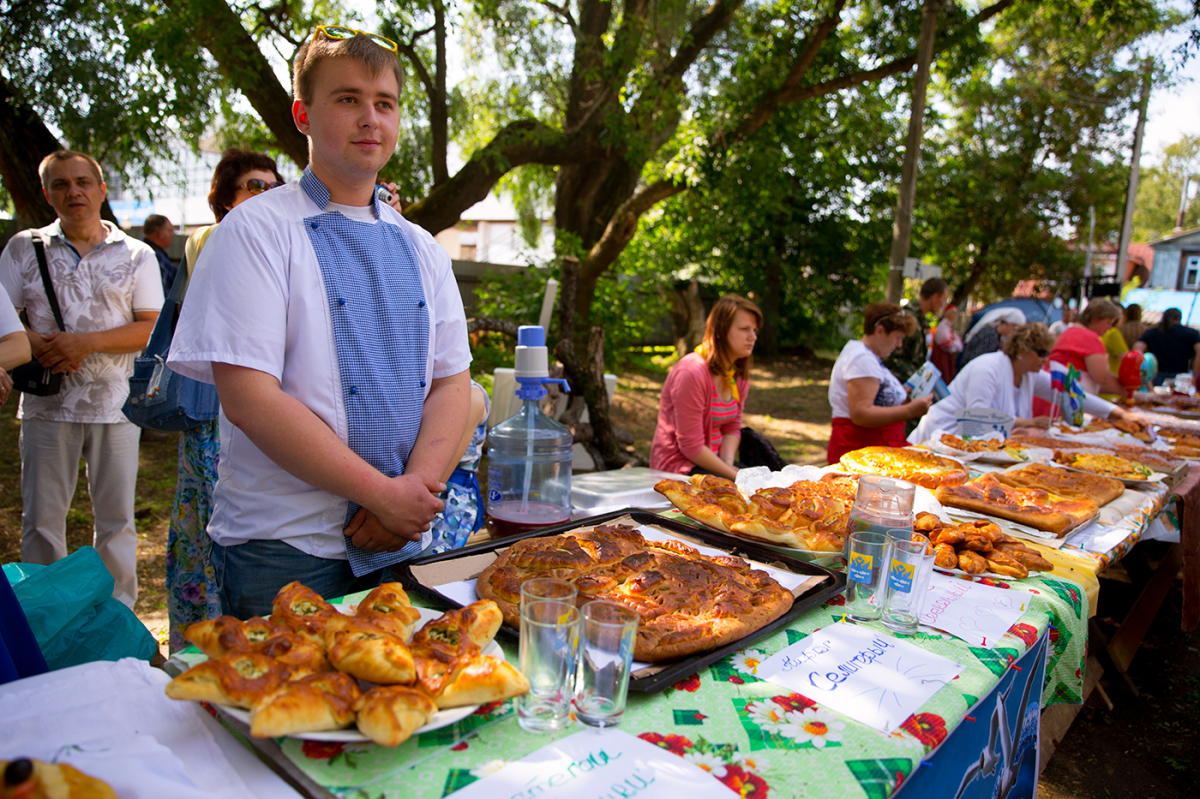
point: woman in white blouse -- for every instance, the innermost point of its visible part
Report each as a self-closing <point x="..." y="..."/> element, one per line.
<point x="1005" y="381"/>
<point x="870" y="405"/>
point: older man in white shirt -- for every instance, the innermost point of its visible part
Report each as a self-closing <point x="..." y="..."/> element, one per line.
<point x="109" y="292"/>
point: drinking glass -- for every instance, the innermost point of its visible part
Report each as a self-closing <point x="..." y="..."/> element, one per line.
<point x="547" y="588"/>
<point x="608" y="631"/>
<point x="549" y="640"/>
<point x="909" y="565"/>
<point x="865" y="571"/>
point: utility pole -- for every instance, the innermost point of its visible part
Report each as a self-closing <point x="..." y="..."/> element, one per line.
<point x="902" y="226"/>
<point x="1087" y="263"/>
<point x="1134" y="170"/>
<point x="1183" y="198"/>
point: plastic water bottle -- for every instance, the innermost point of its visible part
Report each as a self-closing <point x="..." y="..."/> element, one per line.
<point x="882" y="505"/>
<point x="529" y="455"/>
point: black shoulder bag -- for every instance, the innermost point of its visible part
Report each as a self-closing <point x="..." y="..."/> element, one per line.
<point x="32" y="377"/>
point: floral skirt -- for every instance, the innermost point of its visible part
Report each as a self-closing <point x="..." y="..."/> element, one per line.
<point x="191" y="580"/>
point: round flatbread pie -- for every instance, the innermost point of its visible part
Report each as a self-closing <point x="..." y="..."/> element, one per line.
<point x="915" y="466"/>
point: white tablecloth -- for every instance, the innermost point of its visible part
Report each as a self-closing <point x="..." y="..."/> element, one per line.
<point x="114" y="721"/>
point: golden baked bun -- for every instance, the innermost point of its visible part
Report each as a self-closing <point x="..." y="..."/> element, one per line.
<point x="239" y="679"/>
<point x="27" y="778"/>
<point x="365" y="650"/>
<point x="481" y="679"/>
<point x="225" y="634"/>
<point x="316" y="703"/>
<point x="389" y="607"/>
<point x="389" y="715"/>
<point x="303" y="611"/>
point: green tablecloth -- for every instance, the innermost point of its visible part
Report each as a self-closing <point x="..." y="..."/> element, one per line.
<point x="757" y="738"/>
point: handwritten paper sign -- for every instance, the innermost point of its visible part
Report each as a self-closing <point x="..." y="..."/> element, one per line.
<point x="598" y="763"/>
<point x="978" y="614"/>
<point x="861" y="673"/>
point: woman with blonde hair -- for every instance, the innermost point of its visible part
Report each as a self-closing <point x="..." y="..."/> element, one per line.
<point x="870" y="405"/>
<point x="700" y="413"/>
<point x="1005" y="381"/>
<point x="1132" y="327"/>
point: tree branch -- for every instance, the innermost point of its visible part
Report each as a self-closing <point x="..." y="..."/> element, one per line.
<point x="518" y="143"/>
<point x="623" y="225"/>
<point x="792" y="92"/>
<point x="561" y="11"/>
<point x="487" y="323"/>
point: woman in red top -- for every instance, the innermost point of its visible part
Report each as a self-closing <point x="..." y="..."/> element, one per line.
<point x="1080" y="346"/>
<point x="700" y="413"/>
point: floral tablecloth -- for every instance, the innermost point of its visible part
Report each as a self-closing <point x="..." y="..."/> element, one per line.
<point x="757" y="738"/>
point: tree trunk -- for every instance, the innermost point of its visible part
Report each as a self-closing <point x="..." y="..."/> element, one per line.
<point x="907" y="196"/>
<point x="978" y="267"/>
<point x="24" y="142"/>
<point x="219" y="30"/>
<point x="771" y="302"/>
<point x="438" y="113"/>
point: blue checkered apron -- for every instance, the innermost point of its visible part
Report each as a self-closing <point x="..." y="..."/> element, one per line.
<point x="381" y="335"/>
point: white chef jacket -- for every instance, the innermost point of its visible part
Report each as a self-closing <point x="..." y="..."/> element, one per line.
<point x="258" y="300"/>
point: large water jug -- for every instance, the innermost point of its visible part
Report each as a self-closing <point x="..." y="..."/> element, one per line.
<point x="529" y="454"/>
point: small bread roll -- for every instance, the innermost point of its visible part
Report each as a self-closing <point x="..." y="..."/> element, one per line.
<point x="35" y="779"/>
<point x="315" y="703"/>
<point x="971" y="562"/>
<point x="388" y="606"/>
<point x="945" y="556"/>
<point x="225" y="634"/>
<point x="368" y="652"/>
<point x="481" y="679"/>
<point x="303" y="611"/>
<point x="239" y="679"/>
<point x="388" y="715"/>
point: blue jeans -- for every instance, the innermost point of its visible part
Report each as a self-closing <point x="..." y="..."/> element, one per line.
<point x="250" y="574"/>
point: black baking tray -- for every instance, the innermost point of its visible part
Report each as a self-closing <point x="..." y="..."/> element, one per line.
<point x="662" y="674"/>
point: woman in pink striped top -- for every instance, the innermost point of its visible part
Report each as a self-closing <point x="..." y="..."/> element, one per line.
<point x="700" y="413"/>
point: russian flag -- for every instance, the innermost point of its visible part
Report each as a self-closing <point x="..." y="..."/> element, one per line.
<point x="1058" y="376"/>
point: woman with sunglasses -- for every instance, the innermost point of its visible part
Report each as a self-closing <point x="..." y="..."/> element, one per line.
<point x="191" y="588"/>
<point x="1005" y="381"/>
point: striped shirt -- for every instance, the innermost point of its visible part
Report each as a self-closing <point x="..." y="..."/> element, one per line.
<point x="722" y="412"/>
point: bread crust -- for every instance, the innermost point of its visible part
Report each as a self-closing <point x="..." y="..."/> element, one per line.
<point x="1064" y="483"/>
<point x="914" y="466"/>
<point x="389" y="715"/>
<point x="1029" y="506"/>
<point x="687" y="602"/>
<point x="316" y="703"/>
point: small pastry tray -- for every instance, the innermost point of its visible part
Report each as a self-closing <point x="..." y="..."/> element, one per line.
<point x="440" y="579"/>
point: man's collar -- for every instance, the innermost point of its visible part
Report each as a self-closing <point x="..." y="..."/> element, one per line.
<point x="317" y="192"/>
<point x="112" y="233"/>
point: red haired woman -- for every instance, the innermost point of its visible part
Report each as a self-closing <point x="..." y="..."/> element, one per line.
<point x="700" y="414"/>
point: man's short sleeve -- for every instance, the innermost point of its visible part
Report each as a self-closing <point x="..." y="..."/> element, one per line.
<point x="451" y="348"/>
<point x="236" y="307"/>
<point x="9" y="321"/>
<point x="147" y="286"/>
<point x="10" y="270"/>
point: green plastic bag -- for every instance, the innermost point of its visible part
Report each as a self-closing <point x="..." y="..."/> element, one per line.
<point x="73" y="615"/>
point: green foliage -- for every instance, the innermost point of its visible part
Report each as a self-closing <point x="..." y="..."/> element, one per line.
<point x="1159" y="190"/>
<point x="1037" y="135"/>
<point x="116" y="77"/>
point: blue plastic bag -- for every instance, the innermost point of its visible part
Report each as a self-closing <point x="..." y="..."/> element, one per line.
<point x="71" y="610"/>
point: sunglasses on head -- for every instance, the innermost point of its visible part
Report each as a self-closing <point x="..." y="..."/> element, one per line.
<point x="339" y="33"/>
<point x="256" y="186"/>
